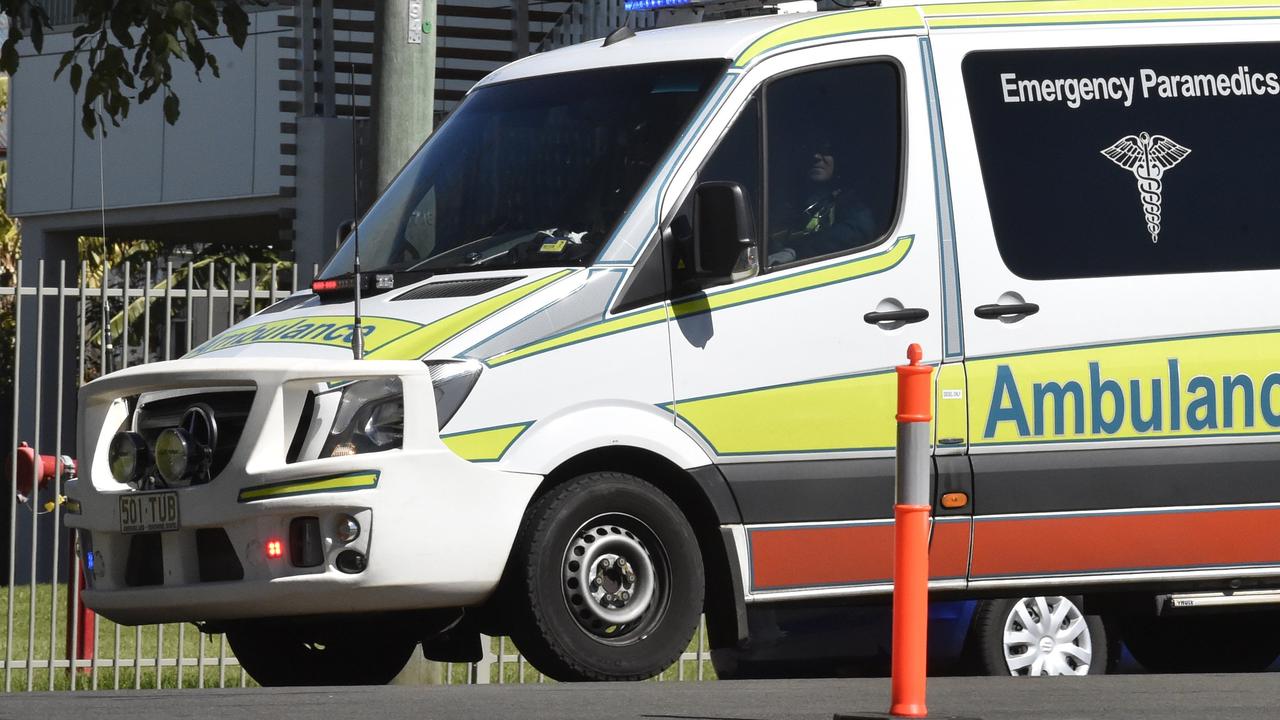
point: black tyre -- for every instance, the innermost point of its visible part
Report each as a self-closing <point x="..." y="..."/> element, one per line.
<point x="276" y="653"/>
<point x="1247" y="642"/>
<point x="606" y="580"/>
<point x="1040" y="636"/>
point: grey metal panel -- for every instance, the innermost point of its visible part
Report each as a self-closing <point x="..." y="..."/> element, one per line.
<point x="209" y="152"/>
<point x="42" y="126"/>
<point x="1076" y="480"/>
<point x="131" y="155"/>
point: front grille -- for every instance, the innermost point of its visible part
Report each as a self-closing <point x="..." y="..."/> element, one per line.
<point x="145" y="565"/>
<point x="216" y="557"/>
<point x="230" y="411"/>
<point x="456" y="288"/>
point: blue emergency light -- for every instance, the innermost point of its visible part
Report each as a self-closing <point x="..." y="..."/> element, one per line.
<point x="638" y="5"/>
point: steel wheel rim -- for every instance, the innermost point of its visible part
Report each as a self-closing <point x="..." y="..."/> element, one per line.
<point x="1046" y="636"/>
<point x="615" y="578"/>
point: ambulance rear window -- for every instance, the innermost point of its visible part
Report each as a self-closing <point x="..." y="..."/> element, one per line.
<point x="1130" y="160"/>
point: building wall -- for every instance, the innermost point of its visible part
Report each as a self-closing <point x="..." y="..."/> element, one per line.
<point x="226" y="143"/>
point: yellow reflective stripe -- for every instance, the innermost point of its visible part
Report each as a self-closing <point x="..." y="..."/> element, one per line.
<point x="857" y="21"/>
<point x="830" y="274"/>
<point x="1100" y="17"/>
<point x="424" y="340"/>
<point x="332" y="330"/>
<point x="486" y="445"/>
<point x="1036" y="12"/>
<point x="850" y="413"/>
<point x="358" y="481"/>
<point x="1067" y="6"/>
<point x="807" y="280"/>
<point x="1223" y="385"/>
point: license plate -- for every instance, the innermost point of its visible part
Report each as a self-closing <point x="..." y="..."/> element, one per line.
<point x="149" y="512"/>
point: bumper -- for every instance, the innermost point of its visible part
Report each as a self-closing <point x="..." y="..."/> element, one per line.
<point x="436" y="530"/>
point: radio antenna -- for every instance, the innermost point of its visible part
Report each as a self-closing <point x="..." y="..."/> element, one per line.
<point x="357" y="332"/>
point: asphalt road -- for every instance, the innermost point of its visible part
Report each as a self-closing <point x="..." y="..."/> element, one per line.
<point x="1167" y="697"/>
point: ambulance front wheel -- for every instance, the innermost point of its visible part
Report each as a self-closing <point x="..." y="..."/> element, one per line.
<point x="606" y="580"/>
<point x="352" y="652"/>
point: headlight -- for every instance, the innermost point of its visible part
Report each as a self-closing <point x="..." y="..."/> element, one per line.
<point x="453" y="380"/>
<point x="127" y="456"/>
<point x="176" y="455"/>
<point x="370" y="418"/>
<point x="368" y="415"/>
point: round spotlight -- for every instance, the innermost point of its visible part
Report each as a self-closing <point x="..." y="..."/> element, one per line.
<point x="127" y="457"/>
<point x="346" y="529"/>
<point x="176" y="456"/>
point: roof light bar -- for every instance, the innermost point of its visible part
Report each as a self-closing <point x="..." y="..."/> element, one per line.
<point x="640" y="5"/>
<point x="379" y="281"/>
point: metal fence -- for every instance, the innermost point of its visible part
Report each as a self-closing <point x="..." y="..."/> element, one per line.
<point x="61" y="326"/>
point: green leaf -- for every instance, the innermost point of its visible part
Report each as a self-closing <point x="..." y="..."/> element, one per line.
<point x="198" y="57"/>
<point x="120" y="28"/>
<point x="38" y="22"/>
<point x="67" y="57"/>
<point x="88" y="120"/>
<point x="171" y="111"/>
<point x="171" y="42"/>
<point x="9" y="56"/>
<point x="206" y="17"/>
<point x="77" y="74"/>
<point x="237" y="22"/>
<point x="213" y="65"/>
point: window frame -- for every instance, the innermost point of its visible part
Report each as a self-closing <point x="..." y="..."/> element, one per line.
<point x="757" y="95"/>
<point x="903" y="157"/>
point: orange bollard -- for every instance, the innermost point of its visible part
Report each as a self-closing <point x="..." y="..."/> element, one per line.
<point x="911" y="538"/>
<point x="910" y="543"/>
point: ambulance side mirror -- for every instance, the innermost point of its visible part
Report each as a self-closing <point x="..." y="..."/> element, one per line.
<point x="723" y="244"/>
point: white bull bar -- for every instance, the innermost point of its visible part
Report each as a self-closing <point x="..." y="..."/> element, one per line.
<point x="437" y="529"/>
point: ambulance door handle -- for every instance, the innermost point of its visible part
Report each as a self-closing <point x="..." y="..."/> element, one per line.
<point x="904" y="316"/>
<point x="995" y="312"/>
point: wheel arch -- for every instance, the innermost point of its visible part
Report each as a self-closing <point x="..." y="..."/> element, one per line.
<point x="703" y="495"/>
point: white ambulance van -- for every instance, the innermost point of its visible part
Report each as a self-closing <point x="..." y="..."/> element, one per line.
<point x="629" y="321"/>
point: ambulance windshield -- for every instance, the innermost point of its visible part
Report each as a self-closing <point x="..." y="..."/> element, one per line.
<point x="535" y="172"/>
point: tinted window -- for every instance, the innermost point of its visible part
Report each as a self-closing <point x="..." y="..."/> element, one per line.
<point x="737" y="158"/>
<point x="834" y="151"/>
<point x="532" y="172"/>
<point x="1130" y="161"/>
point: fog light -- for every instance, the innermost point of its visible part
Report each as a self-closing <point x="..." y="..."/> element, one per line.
<point x="127" y="457"/>
<point x="347" y="529"/>
<point x="275" y="549"/>
<point x="351" y="562"/>
<point x="175" y="456"/>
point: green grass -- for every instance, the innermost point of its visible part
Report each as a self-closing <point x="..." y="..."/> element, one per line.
<point x="135" y="647"/>
<point x="138" y="669"/>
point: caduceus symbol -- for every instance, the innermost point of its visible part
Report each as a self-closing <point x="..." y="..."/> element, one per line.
<point x="1147" y="157"/>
